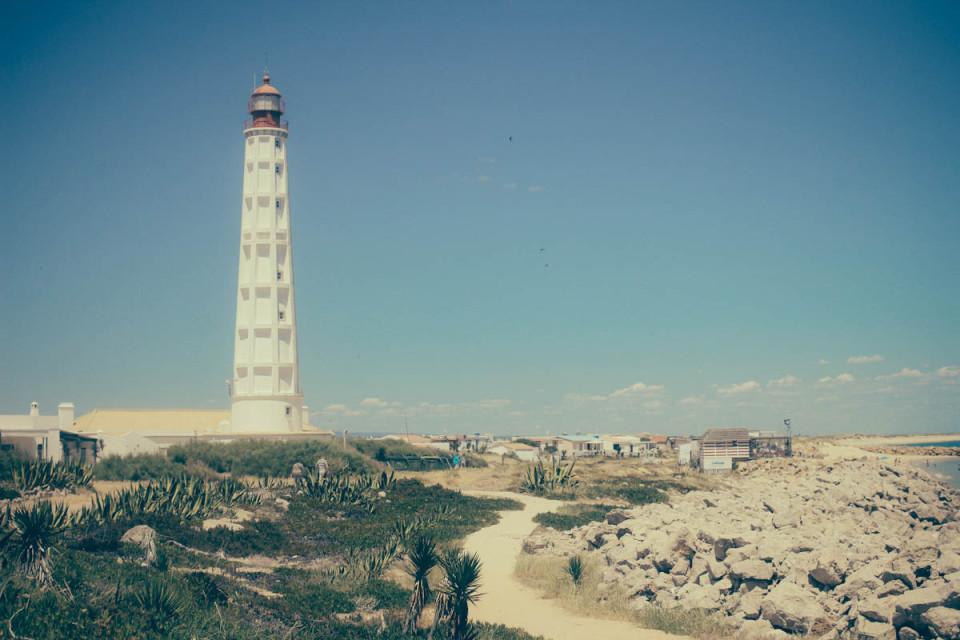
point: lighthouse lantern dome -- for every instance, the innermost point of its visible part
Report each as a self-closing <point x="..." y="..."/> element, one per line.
<point x="266" y="105"/>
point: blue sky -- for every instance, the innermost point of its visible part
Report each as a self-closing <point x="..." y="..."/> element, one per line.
<point x="749" y="210"/>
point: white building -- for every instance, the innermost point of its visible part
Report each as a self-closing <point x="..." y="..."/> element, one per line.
<point x="521" y="451"/>
<point x="265" y="387"/>
<point x="133" y="431"/>
<point x="37" y="437"/>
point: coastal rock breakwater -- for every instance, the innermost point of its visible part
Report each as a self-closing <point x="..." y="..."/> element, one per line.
<point x="853" y="550"/>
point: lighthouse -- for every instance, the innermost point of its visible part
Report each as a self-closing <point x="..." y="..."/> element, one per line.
<point x="265" y="394"/>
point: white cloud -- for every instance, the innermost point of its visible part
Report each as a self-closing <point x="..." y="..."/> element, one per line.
<point x="487" y="160"/>
<point x="905" y="373"/>
<point x="638" y="388"/>
<point x="535" y="189"/>
<point x="843" y="378"/>
<point x="372" y="403"/>
<point x="950" y="371"/>
<point x="743" y="387"/>
<point x="510" y="186"/>
<point x="690" y="400"/>
<point x="823" y="361"/>
<point x="483" y="178"/>
<point x="599" y="398"/>
<point x="389" y="412"/>
<point x="652" y="404"/>
<point x="335" y="407"/>
<point x="786" y="381"/>
<point x="864" y="359"/>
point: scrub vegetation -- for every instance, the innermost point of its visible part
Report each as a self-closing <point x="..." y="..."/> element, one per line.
<point x="574" y="583"/>
<point x="258" y="458"/>
<point x="357" y="553"/>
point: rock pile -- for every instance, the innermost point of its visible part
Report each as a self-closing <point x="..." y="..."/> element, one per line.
<point x="852" y="550"/>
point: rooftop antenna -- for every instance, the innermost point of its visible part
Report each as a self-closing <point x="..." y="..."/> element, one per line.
<point x="406" y="428"/>
<point x="786" y="423"/>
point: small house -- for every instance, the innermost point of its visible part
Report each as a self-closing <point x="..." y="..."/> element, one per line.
<point x="515" y="449"/>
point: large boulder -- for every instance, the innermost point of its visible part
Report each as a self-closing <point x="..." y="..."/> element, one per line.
<point x="868" y="630"/>
<point x="791" y="608"/>
<point x="910" y="606"/>
<point x="942" y="621"/>
<point x="617" y="516"/>
<point x="832" y="567"/>
<point x="725" y="542"/>
<point x="715" y="569"/>
<point x="773" y="549"/>
<point x="145" y="538"/>
<point x="949" y="562"/>
<point x="752" y="569"/>
<point x="622" y="555"/>
<point x="694" y="596"/>
<point x="877" y="609"/>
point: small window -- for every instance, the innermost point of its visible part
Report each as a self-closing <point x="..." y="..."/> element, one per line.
<point x="276" y="143"/>
<point x="278" y="204"/>
<point x="288" y="410"/>
<point x="281" y="315"/>
<point x="278" y="168"/>
<point x="279" y="275"/>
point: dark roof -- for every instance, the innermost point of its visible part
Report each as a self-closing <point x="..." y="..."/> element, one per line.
<point x="725" y="435"/>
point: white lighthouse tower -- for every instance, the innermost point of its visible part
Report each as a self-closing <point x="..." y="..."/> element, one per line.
<point x="265" y="394"/>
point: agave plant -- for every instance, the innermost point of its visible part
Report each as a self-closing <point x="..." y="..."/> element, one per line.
<point x="540" y="479"/>
<point x="182" y="496"/>
<point x="159" y="602"/>
<point x="421" y="559"/>
<point x="30" y="475"/>
<point x="340" y="488"/>
<point x="30" y="537"/>
<point x="574" y="569"/>
<point x="460" y="588"/>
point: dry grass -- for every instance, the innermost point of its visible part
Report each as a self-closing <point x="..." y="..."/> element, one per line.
<point x="495" y="477"/>
<point x="546" y="575"/>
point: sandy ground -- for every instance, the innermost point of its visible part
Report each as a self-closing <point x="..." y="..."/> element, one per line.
<point x="508" y="602"/>
<point x="841" y="448"/>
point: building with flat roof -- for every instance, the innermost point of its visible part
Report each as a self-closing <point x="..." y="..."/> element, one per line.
<point x="36" y="437"/>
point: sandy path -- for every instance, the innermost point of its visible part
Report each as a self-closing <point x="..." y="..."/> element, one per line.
<point x="508" y="602"/>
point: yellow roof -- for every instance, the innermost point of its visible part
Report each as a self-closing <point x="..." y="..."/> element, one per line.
<point x="163" y="421"/>
<point x="167" y="422"/>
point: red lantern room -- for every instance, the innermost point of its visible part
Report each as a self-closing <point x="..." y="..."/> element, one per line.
<point x="266" y="106"/>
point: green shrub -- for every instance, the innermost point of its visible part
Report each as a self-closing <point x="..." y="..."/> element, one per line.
<point x="267" y="457"/>
<point x="636" y="491"/>
<point x="575" y="515"/>
<point x="145" y="466"/>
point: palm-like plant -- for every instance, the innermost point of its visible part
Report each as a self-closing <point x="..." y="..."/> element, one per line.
<point x="158" y="602"/>
<point x="421" y="559"/>
<point x="460" y="588"/>
<point x="31" y="534"/>
<point x="574" y="569"/>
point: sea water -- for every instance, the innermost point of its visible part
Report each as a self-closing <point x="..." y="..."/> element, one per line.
<point x="948" y="468"/>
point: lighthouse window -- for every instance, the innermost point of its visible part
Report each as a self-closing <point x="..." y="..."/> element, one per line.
<point x="276" y="142"/>
<point x="281" y="315"/>
<point x="278" y="204"/>
<point x="279" y="275"/>
<point x="278" y="169"/>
